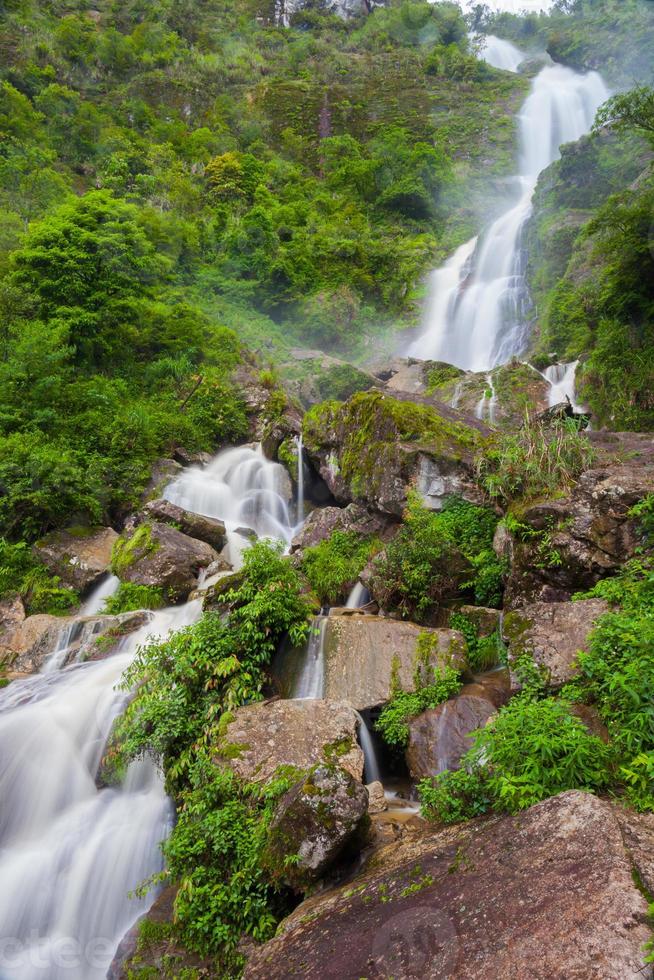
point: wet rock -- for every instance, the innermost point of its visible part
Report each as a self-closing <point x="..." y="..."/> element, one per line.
<point x="315" y="822"/>
<point x="299" y="733"/>
<point x="186" y="458"/>
<point x="376" y="798"/>
<point x="206" y="529"/>
<point x="80" y="556"/>
<point x="34" y="640"/>
<point x="322" y="522"/>
<point x="495" y="685"/>
<point x="574" y="541"/>
<point x="552" y="633"/>
<point x="439" y="737"/>
<point x="160" y="555"/>
<point x="545" y="894"/>
<point x="366" y="655"/>
<point x="374" y="448"/>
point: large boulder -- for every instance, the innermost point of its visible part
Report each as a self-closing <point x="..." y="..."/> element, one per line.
<point x="323" y="521"/>
<point x="299" y="733"/>
<point x="375" y="448"/>
<point x="206" y="529"/>
<point x="160" y="555"/>
<point x="78" y="555"/>
<point x="439" y="737"/>
<point x="314" y="823"/>
<point x="367" y="656"/>
<point x="547" y="894"/>
<point x="552" y="634"/>
<point x="72" y="638"/>
<point x="12" y="614"/>
<point x="162" y="472"/>
<point x="569" y="543"/>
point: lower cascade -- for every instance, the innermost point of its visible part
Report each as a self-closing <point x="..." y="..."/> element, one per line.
<point x="72" y="850"/>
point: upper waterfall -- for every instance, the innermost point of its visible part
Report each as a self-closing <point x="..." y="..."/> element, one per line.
<point x="477" y="309"/>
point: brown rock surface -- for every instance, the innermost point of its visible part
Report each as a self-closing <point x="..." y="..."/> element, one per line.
<point x="206" y="529"/>
<point x="439" y="737"/>
<point x="552" y="633"/>
<point x="78" y="555"/>
<point x="165" y="558"/>
<point x="546" y="895"/>
<point x="300" y="733"/>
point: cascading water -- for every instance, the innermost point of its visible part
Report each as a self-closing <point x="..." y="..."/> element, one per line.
<point x="476" y="317"/>
<point x="485" y="409"/>
<point x="311" y="680"/>
<point x="70" y="852"/>
<point x="358" y="597"/>
<point x="500" y="53"/>
<point x="96" y="600"/>
<point x="561" y="378"/>
<point x="371" y="768"/>
<point x="242" y="488"/>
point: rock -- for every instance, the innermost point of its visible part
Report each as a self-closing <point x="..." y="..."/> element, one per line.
<point x="638" y="833"/>
<point x="78" y="638"/>
<point x="531" y="66"/>
<point x="590" y="716"/>
<point x="163" y="472"/>
<point x="206" y="529"/>
<point x="574" y="541"/>
<point x="78" y="555"/>
<point x="495" y="685"/>
<point x="12" y="614"/>
<point x="315" y="822"/>
<point x="374" y="448"/>
<point x="487" y="621"/>
<point x="323" y="521"/>
<point x="376" y="798"/>
<point x="546" y="894"/>
<point x="366" y="655"/>
<point x="439" y="737"/>
<point x="159" y="555"/>
<point x="552" y="633"/>
<point x="299" y="733"/>
<point x="186" y="458"/>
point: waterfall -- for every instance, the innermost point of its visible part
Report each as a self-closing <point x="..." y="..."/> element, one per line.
<point x="500" y="54"/>
<point x="477" y="310"/>
<point x="371" y="769"/>
<point x="311" y="681"/>
<point x="242" y="488"/>
<point x="95" y="602"/>
<point x="70" y="852"/>
<point x="561" y="378"/>
<point x="486" y="406"/>
<point x="358" y="597"/>
<point x="300" y="479"/>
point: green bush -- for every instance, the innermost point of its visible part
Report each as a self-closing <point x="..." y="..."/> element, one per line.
<point x="40" y="591"/>
<point x="333" y="565"/>
<point x="541" y="460"/>
<point x="438" y="557"/>
<point x="129" y="597"/>
<point x="483" y="652"/>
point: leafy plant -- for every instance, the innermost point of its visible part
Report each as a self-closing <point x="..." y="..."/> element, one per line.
<point x="40" y="591"/>
<point x="333" y="565"/>
<point x="129" y="597"/>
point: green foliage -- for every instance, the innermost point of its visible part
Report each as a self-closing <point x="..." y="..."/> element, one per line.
<point x="432" y="686"/>
<point x="483" y="652"/>
<point x="437" y="557"/>
<point x="532" y="749"/>
<point x="541" y="460"/>
<point x="22" y="574"/>
<point x="129" y="597"/>
<point x="333" y="565"/>
<point x="185" y="689"/>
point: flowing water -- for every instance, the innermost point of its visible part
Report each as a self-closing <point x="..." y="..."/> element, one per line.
<point x="371" y="767"/>
<point x="311" y="680"/>
<point x="358" y="597"/>
<point x="96" y="600"/>
<point x="478" y="305"/>
<point x="70" y="852"/>
<point x="500" y="53"/>
<point x="487" y="404"/>
<point x="242" y="488"/>
<point x="561" y="378"/>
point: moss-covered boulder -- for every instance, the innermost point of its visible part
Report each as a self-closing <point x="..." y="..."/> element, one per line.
<point x="79" y="556"/>
<point x="314" y="824"/>
<point x="198" y="526"/>
<point x="374" y="448"/>
<point x="160" y="555"/>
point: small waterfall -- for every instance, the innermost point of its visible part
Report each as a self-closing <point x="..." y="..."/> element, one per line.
<point x="300" y="479"/>
<point x="456" y="397"/>
<point x="371" y="768"/>
<point x="477" y="312"/>
<point x="358" y="597"/>
<point x="311" y="681"/>
<point x="71" y="852"/>
<point x="242" y="488"/>
<point x="95" y="602"/>
<point x="500" y="54"/>
<point x="561" y="378"/>
<point x="486" y="406"/>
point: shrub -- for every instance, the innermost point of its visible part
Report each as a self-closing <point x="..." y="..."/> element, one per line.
<point x="437" y="557"/>
<point x="333" y="565"/>
<point x="541" y="459"/>
<point x="130" y="596"/>
<point x="40" y="591"/>
<point x="483" y="652"/>
<point x="454" y="796"/>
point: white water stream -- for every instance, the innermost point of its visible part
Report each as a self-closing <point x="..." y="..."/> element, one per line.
<point x="478" y="300"/>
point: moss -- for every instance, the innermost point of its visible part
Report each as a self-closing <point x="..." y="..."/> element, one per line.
<point x="336" y="750"/>
<point x="441" y="375"/>
<point x="364" y="434"/>
<point x="127" y="551"/>
<point x="287" y="455"/>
